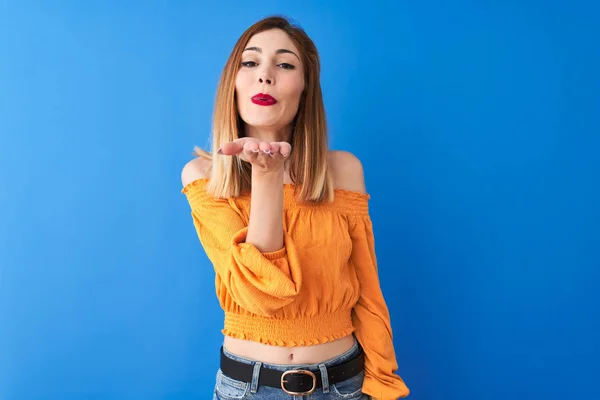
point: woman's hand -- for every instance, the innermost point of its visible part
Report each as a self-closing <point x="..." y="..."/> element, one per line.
<point x="264" y="156"/>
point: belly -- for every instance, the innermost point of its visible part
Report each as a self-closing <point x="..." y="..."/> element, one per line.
<point x="288" y="355"/>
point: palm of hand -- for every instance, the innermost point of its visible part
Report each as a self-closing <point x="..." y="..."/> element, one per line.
<point x="263" y="156"/>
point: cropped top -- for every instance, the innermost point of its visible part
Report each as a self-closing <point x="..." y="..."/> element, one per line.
<point x="320" y="286"/>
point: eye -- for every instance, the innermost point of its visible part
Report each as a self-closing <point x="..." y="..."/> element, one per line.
<point x="248" y="64"/>
<point x="287" y="66"/>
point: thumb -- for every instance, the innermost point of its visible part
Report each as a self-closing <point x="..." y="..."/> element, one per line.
<point x="232" y="148"/>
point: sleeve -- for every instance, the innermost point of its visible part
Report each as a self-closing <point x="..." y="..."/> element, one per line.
<point x="261" y="283"/>
<point x="371" y="318"/>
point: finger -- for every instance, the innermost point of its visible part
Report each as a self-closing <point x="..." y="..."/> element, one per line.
<point x="251" y="146"/>
<point x="251" y="152"/>
<point x="274" y="148"/>
<point x="231" y="148"/>
<point x="285" y="149"/>
<point x="265" y="147"/>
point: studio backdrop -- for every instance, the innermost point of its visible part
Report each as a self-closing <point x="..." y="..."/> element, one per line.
<point x="477" y="126"/>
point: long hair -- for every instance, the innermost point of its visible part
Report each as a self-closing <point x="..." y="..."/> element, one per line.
<point x="230" y="176"/>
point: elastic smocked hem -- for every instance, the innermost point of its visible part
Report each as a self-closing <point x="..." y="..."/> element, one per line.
<point x="306" y="331"/>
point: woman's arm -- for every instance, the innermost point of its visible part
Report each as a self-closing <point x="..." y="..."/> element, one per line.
<point x="370" y="315"/>
<point x="265" y="226"/>
<point x="261" y="282"/>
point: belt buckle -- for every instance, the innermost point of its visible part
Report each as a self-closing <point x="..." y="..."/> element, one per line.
<point x="301" y="372"/>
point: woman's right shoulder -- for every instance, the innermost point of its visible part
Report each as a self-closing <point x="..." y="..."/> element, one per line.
<point x="197" y="168"/>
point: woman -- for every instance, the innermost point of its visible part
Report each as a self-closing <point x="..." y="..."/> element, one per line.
<point x="285" y="223"/>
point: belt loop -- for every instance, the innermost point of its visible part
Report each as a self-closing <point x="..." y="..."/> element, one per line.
<point x="255" y="377"/>
<point x="324" y="378"/>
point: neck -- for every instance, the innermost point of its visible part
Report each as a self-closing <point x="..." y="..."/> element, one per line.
<point x="269" y="135"/>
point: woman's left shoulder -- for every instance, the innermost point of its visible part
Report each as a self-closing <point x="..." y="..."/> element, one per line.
<point x="347" y="171"/>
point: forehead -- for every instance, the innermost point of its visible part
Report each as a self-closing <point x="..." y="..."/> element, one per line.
<point x="272" y="40"/>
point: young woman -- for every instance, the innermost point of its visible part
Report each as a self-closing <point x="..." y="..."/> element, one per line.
<point x="286" y="225"/>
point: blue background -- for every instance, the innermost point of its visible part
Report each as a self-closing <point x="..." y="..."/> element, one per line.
<point x="477" y="123"/>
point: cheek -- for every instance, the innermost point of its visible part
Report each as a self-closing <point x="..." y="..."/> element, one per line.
<point x="294" y="89"/>
<point x="241" y="89"/>
<point x="242" y="82"/>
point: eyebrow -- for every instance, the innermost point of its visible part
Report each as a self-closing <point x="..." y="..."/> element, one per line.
<point x="278" y="51"/>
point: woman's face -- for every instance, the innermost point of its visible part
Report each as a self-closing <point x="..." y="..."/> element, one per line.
<point x="270" y="81"/>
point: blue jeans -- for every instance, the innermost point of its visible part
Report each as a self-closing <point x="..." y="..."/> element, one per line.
<point x="230" y="389"/>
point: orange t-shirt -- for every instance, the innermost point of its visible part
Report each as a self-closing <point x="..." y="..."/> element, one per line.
<point x="321" y="286"/>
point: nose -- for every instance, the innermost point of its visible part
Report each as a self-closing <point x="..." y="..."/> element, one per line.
<point x="265" y="77"/>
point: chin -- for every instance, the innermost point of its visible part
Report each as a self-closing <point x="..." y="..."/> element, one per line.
<point x="262" y="125"/>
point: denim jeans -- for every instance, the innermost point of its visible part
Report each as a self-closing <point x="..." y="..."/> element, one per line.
<point x="230" y="389"/>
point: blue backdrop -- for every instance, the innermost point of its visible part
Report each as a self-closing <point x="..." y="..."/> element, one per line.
<point x="477" y="123"/>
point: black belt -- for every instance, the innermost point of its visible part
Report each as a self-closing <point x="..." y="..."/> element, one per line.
<point x="296" y="382"/>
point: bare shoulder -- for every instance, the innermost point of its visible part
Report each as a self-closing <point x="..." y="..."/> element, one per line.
<point x="196" y="168"/>
<point x="347" y="171"/>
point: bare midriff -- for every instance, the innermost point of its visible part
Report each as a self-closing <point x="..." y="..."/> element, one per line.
<point x="288" y="355"/>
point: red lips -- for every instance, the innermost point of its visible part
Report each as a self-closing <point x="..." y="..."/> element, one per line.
<point x="263" y="99"/>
